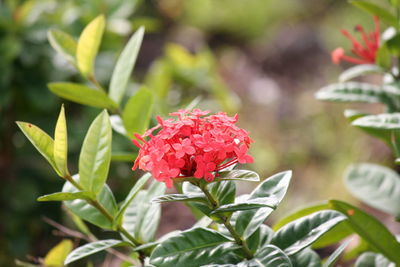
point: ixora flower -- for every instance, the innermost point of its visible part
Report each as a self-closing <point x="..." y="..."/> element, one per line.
<point x="192" y="145"/>
<point x="364" y="53"/>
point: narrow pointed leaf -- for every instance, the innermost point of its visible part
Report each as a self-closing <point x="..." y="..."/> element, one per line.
<point x="137" y="112"/>
<point x="306" y="258"/>
<point x="82" y="94"/>
<point x="123" y="156"/>
<point x="63" y="43"/>
<point x="333" y="258"/>
<point x="370" y="259"/>
<point x="256" y="203"/>
<point x="359" y="70"/>
<point x="95" y="156"/>
<point x="191" y="248"/>
<point x="241" y="175"/>
<point x="124" y="66"/>
<point x="270" y="256"/>
<point x="247" y="222"/>
<point x="376" y="10"/>
<point x="375" y="185"/>
<point x="92" y="248"/>
<point x="41" y="141"/>
<point x="351" y="92"/>
<point x="61" y="144"/>
<point x="132" y="194"/>
<point x="87" y="212"/>
<point x="88" y="45"/>
<point x="380" y="121"/>
<point x="371" y="230"/>
<point x="180" y="198"/>
<point x="61" y="196"/>
<point x="301" y="233"/>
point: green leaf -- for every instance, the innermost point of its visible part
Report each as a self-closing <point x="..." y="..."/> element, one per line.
<point x="241" y="175"/>
<point x="142" y="217"/>
<point x="247" y="222"/>
<point x="270" y="256"/>
<point x="180" y="198"/>
<point x="61" y="144"/>
<point x="255" y="203"/>
<point x="301" y="233"/>
<point x="376" y="10"/>
<point x="132" y="194"/>
<point x="336" y="254"/>
<point x="370" y="229"/>
<point x="306" y="258"/>
<point x="384" y="56"/>
<point x="41" y="141"/>
<point x="92" y="248"/>
<point x="223" y="192"/>
<point x="369" y="259"/>
<point x="380" y="121"/>
<point x="117" y="124"/>
<point x="137" y="112"/>
<point x="124" y="66"/>
<point x="63" y="43"/>
<point x="375" y="185"/>
<point x="56" y="256"/>
<point x="185" y="249"/>
<point x="334" y="235"/>
<point x="359" y="70"/>
<point x="82" y="94"/>
<point x="88" y="45"/>
<point x="84" y="210"/>
<point x="260" y="238"/>
<point x="351" y="92"/>
<point x="95" y="156"/>
<point x="352" y="114"/>
<point x="61" y="196"/>
<point x="123" y="156"/>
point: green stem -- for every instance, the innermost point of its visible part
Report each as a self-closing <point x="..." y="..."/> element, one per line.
<point x="225" y="220"/>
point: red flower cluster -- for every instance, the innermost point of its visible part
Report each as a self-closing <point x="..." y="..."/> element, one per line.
<point x="365" y="53"/>
<point x="193" y="145"/>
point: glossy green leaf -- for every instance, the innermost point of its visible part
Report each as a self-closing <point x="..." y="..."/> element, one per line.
<point x="375" y="185"/>
<point x="384" y="56"/>
<point x="301" y="233"/>
<point x="57" y="255"/>
<point x="137" y="112"/>
<point x="241" y="175"/>
<point x="256" y="203"/>
<point x="191" y="248"/>
<point x="376" y="10"/>
<point x="270" y="256"/>
<point x="95" y="156"/>
<point x="141" y="217"/>
<point x="132" y="194"/>
<point x="180" y="198"/>
<point x="352" y="114"/>
<point x="306" y="258"/>
<point x="84" y="210"/>
<point x="359" y="70"/>
<point x="351" y="92"/>
<point x="370" y="259"/>
<point x="260" y="238"/>
<point x="223" y="192"/>
<point x="247" y="222"/>
<point x="333" y="258"/>
<point x="380" y="121"/>
<point x="88" y="45"/>
<point x="370" y="229"/>
<point x="82" y="94"/>
<point x="334" y="235"/>
<point x="123" y="156"/>
<point x="63" y="43"/>
<point x="92" y="248"/>
<point x="124" y="66"/>
<point x="41" y="141"/>
<point x="61" y="196"/>
<point x="61" y="144"/>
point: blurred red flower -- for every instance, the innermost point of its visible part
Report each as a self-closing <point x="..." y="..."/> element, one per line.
<point x="364" y="53"/>
<point x="193" y="145"/>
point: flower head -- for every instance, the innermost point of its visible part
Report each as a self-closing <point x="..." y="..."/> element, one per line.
<point x="192" y="145"/>
<point x="364" y="53"/>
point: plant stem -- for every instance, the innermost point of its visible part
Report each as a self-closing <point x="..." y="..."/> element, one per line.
<point x="225" y="220"/>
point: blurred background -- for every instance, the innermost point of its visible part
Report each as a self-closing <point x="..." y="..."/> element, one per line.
<point x="262" y="59"/>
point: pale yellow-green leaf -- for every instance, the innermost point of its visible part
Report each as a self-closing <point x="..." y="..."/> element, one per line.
<point x="61" y="143"/>
<point x="63" y="43"/>
<point x="41" y="141"/>
<point x="57" y="255"/>
<point x="88" y="45"/>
